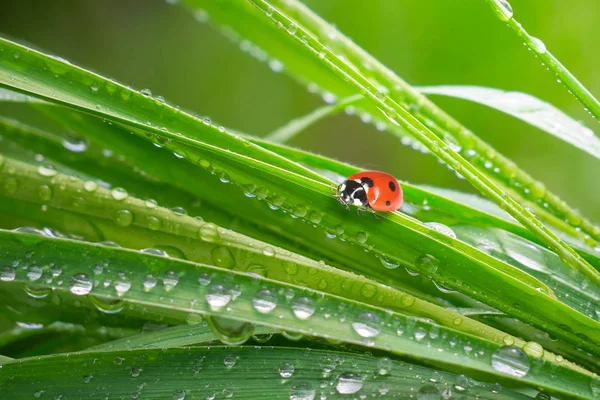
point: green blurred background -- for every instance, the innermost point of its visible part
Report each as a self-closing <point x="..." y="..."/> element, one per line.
<point x="151" y="44"/>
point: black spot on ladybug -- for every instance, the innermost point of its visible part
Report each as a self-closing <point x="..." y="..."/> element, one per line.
<point x="387" y="203"/>
<point x="367" y="181"/>
<point x="392" y="186"/>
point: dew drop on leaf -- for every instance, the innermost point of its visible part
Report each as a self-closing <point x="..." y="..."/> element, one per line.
<point x="303" y="307"/>
<point x="366" y="325"/>
<point x="217" y="297"/>
<point x="265" y="301"/>
<point x="80" y="285"/>
<point x="441" y="228"/>
<point x="286" y="369"/>
<point x="348" y="383"/>
<point x="511" y="360"/>
<point x="429" y="392"/>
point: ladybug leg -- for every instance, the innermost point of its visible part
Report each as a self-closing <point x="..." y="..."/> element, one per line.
<point x="375" y="214"/>
<point x="344" y="203"/>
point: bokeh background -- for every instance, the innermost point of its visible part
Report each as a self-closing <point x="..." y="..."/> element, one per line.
<point x="152" y="44"/>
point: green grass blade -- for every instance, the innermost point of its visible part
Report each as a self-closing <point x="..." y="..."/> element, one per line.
<point x="208" y="290"/>
<point x="504" y="12"/>
<point x="241" y="373"/>
<point x="526" y="108"/>
<point x="295" y="126"/>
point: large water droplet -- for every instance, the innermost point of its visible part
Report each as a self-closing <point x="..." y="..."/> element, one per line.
<point x="179" y="394"/>
<point x="534" y="349"/>
<point x="511" y="360"/>
<point x="217" y="297"/>
<point x="122" y="285"/>
<point x="265" y="301"/>
<point x="303" y="307"/>
<point x="107" y="306"/>
<point x="47" y="170"/>
<point x="209" y="232"/>
<point x="119" y="194"/>
<point x="223" y="257"/>
<point x="230" y="331"/>
<point x="75" y="145"/>
<point x="502" y="9"/>
<point x="34" y="273"/>
<point x="348" y="383"/>
<point x="150" y="282"/>
<point x="286" y="369"/>
<point x="170" y="280"/>
<point x="427" y="263"/>
<point x="8" y="274"/>
<point x="389" y="263"/>
<point x="428" y="392"/>
<point x="80" y="285"/>
<point x="367" y="325"/>
<point x="302" y="391"/>
<point x="384" y="366"/>
<point x="441" y="228"/>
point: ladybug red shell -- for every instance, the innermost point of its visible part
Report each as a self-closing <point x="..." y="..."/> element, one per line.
<point x="371" y="190"/>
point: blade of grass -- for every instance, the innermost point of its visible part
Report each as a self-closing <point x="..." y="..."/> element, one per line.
<point x="503" y="10"/>
<point x="241" y="373"/>
<point x="295" y="126"/>
<point x="526" y="108"/>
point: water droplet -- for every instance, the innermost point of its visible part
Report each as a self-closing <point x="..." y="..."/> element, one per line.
<point x="265" y="301"/>
<point x="80" y="285"/>
<point x="47" y="170"/>
<point x="427" y="263"/>
<point x="135" y="372"/>
<point x="107" y="306"/>
<point x="170" y="280"/>
<point x="537" y="45"/>
<point x="366" y="325"/>
<point x="362" y="237"/>
<point x="34" y="273"/>
<point x="269" y="251"/>
<point x="230" y="331"/>
<point x="90" y="186"/>
<point x="502" y="9"/>
<point x="286" y="369"/>
<point x="179" y="211"/>
<point x="428" y="392"/>
<point x="223" y="257"/>
<point x="150" y="282"/>
<point x="119" y="194"/>
<point x="217" y="297"/>
<point x="179" y="394"/>
<point x="209" y="232"/>
<point x="384" y="366"/>
<point x="389" y="263"/>
<point x="122" y="285"/>
<point x="8" y="274"/>
<point x="420" y="333"/>
<point x="303" y="308"/>
<point x="229" y="361"/>
<point x="76" y="146"/>
<point x="511" y="360"/>
<point x="534" y="349"/>
<point x="153" y="223"/>
<point x="124" y="217"/>
<point x="302" y="391"/>
<point x="348" y="383"/>
<point x="441" y="228"/>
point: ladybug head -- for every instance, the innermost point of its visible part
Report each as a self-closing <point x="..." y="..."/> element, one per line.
<point x="352" y="192"/>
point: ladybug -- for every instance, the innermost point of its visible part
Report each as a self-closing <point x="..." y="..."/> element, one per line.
<point x="371" y="190"/>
